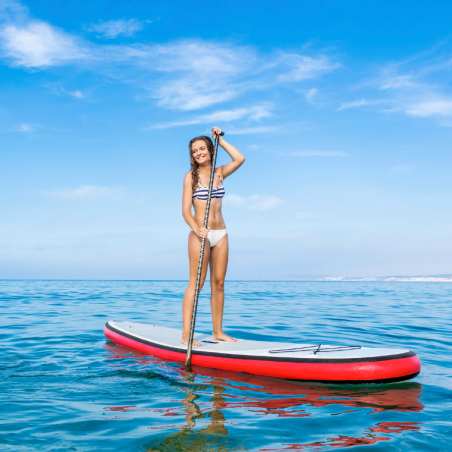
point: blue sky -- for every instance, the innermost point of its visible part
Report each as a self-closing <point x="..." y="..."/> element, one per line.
<point x="343" y="110"/>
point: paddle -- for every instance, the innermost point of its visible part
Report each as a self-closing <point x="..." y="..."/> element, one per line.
<point x="201" y="255"/>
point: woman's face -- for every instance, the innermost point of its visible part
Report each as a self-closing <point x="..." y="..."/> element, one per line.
<point x="200" y="152"/>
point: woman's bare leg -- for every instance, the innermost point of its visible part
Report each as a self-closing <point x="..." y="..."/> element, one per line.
<point x="194" y="247"/>
<point x="218" y="267"/>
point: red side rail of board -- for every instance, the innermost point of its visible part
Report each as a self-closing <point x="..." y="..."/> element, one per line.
<point x="353" y="371"/>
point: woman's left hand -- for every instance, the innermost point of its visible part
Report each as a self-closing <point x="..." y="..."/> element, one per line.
<point x="216" y="131"/>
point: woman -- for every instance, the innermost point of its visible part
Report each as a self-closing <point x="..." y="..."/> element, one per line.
<point x="196" y="187"/>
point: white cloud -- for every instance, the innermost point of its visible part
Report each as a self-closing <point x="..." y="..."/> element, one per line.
<point x="26" y="128"/>
<point x="314" y="154"/>
<point x="214" y="72"/>
<point x="354" y="104"/>
<point x="192" y="74"/>
<point x="88" y="192"/>
<point x="255" y="202"/>
<point x="410" y="88"/>
<point x="114" y="28"/>
<point x="204" y="73"/>
<point x="398" y="82"/>
<point x="264" y="202"/>
<point x="310" y="94"/>
<point x="77" y="94"/>
<point x="420" y="104"/>
<point x="58" y="90"/>
<point x="190" y="94"/>
<point x="431" y="107"/>
<point x="414" y="98"/>
<point x="38" y="44"/>
<point x="183" y="75"/>
<point x="235" y="200"/>
<point x="252" y="130"/>
<point x="306" y="67"/>
<point x="252" y="113"/>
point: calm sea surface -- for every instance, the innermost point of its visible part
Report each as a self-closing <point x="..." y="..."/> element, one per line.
<point x="64" y="387"/>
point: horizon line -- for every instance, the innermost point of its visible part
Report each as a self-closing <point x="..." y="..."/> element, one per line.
<point x="333" y="279"/>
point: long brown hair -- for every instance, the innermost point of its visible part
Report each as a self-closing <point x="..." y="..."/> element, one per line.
<point x="194" y="163"/>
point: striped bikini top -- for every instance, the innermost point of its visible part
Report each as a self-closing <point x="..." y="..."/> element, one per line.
<point x="201" y="192"/>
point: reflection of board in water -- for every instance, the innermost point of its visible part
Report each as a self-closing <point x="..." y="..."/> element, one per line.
<point x="313" y="362"/>
<point x="368" y="439"/>
<point x="401" y="397"/>
<point x="284" y="399"/>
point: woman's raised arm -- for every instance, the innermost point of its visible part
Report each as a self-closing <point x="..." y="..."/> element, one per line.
<point x="237" y="157"/>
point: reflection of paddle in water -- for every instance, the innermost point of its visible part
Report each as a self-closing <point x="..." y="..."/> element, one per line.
<point x="216" y="426"/>
<point x="208" y="439"/>
<point x="193" y="412"/>
<point x="193" y="441"/>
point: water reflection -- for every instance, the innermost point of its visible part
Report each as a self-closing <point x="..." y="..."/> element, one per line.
<point x="402" y="396"/>
<point x="212" y="413"/>
<point x="342" y="441"/>
<point x="214" y="400"/>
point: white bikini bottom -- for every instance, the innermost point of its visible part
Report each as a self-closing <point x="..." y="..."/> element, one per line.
<point x="215" y="236"/>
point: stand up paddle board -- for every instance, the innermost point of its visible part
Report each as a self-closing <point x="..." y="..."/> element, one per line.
<point x="314" y="362"/>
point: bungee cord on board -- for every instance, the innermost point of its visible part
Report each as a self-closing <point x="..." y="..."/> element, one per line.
<point x="316" y="349"/>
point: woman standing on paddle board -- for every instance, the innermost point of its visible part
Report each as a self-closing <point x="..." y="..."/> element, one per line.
<point x="196" y="187"/>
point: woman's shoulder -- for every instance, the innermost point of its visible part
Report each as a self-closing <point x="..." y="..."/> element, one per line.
<point x="188" y="178"/>
<point x="220" y="171"/>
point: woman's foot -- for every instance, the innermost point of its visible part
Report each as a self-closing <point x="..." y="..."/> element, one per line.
<point x="223" y="337"/>
<point x="184" y="341"/>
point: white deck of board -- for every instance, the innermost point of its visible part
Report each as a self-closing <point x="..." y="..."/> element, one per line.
<point x="171" y="338"/>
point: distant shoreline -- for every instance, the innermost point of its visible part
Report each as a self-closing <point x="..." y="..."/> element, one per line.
<point x="391" y="278"/>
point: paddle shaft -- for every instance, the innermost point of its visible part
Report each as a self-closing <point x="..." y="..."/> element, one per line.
<point x="201" y="255"/>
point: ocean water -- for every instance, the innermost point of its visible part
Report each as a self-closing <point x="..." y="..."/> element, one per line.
<point x="64" y="387"/>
